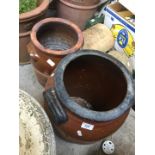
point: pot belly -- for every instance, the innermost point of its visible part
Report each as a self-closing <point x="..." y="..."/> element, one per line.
<point x="80" y="130"/>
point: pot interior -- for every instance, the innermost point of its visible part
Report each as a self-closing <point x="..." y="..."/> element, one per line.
<point x="97" y="81"/>
<point x="57" y="36"/>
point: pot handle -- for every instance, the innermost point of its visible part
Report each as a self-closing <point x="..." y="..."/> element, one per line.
<point x="59" y="115"/>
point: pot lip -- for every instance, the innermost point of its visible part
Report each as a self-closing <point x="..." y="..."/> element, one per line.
<point x="43" y="6"/>
<point x="74" y="27"/>
<point x="80" y="6"/>
<point x="88" y="113"/>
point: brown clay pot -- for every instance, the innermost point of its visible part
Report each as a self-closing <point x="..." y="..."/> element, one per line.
<point x="83" y="2"/>
<point x="51" y="40"/>
<point x="89" y="97"/>
<point x="24" y="39"/>
<point x="33" y="14"/>
<point x="41" y="75"/>
<point x="76" y="13"/>
<point x="42" y="70"/>
<point x="26" y="22"/>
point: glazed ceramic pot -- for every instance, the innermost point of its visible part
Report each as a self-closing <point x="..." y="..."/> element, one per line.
<point x="26" y="22"/>
<point x="89" y="97"/>
<point x="51" y="40"/>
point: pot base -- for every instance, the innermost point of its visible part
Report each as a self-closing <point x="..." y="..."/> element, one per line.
<point x="67" y="138"/>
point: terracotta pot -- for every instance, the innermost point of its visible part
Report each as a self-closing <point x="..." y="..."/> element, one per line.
<point x="51" y="40"/>
<point x="89" y="97"/>
<point x="77" y="14"/>
<point x="26" y="22"/>
<point x="83" y="2"/>
<point x="28" y="16"/>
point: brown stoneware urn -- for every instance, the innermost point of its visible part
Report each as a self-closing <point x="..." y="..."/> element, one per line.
<point x="89" y="97"/>
<point x="51" y="40"/>
<point x="79" y="14"/>
<point x="26" y="22"/>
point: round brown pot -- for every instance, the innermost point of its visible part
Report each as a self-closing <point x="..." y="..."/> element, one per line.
<point x="26" y="22"/>
<point x="42" y="6"/>
<point x="89" y="97"/>
<point x="77" y="14"/>
<point x="83" y="2"/>
<point x="51" y="40"/>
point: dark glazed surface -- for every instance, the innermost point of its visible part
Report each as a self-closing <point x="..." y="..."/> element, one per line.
<point x="94" y="89"/>
<point x="68" y="130"/>
<point x="118" y="91"/>
<point x="98" y="81"/>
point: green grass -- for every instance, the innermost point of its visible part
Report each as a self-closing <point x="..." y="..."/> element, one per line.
<point x="27" y="5"/>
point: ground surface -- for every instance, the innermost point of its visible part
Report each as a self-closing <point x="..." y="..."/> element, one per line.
<point x="124" y="138"/>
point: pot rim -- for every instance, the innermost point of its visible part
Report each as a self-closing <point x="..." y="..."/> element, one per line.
<point x="74" y="27"/>
<point x="87" y="7"/>
<point x="83" y="112"/>
<point x="30" y="14"/>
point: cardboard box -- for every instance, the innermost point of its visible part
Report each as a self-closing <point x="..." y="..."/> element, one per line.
<point x="121" y="23"/>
